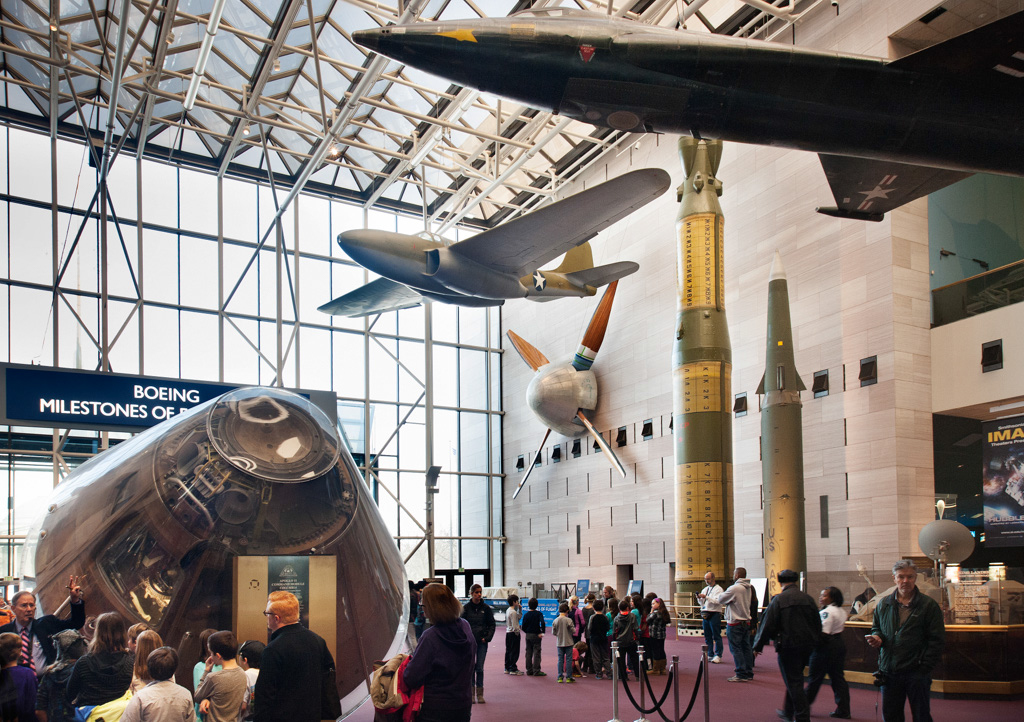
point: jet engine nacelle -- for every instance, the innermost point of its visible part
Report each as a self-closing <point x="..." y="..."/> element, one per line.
<point x="460" y="274"/>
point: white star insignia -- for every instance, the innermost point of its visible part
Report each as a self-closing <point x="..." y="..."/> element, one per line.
<point x="877" y="192"/>
<point x="539" y="282"/>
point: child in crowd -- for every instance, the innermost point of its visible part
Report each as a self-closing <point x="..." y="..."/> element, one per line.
<point x="146" y="642"/>
<point x="512" y="635"/>
<point x="578" y="650"/>
<point x="563" y="629"/>
<point x="161" y="699"/>
<point x="597" y="636"/>
<point x="625" y="632"/>
<point x="533" y="627"/>
<point x="52" y="697"/>
<point x="220" y="694"/>
<point x="249" y="655"/>
<point x="20" y="684"/>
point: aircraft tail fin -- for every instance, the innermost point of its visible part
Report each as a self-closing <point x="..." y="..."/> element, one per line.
<point x="580" y="258"/>
<point x="602" y="275"/>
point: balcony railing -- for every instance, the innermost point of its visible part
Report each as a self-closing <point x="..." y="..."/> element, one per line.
<point x="978" y="294"/>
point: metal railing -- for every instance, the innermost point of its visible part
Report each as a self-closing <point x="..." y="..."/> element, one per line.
<point x="985" y="292"/>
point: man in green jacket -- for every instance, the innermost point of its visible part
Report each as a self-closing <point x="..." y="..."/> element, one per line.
<point x="909" y="632"/>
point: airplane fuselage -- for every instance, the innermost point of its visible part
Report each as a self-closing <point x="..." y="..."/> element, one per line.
<point x="631" y="76"/>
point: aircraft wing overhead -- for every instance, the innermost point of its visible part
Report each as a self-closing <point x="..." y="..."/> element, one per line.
<point x="377" y="296"/>
<point x="867" y="189"/>
<point x="524" y="244"/>
<point x="995" y="47"/>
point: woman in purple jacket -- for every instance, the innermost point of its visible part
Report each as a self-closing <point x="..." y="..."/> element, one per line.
<point x="444" y="659"/>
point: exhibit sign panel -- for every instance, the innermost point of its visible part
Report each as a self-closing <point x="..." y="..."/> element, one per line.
<point x="1003" y="481"/>
<point x="72" y="398"/>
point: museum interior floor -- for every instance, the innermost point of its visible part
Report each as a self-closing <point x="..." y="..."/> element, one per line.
<point x="537" y="698"/>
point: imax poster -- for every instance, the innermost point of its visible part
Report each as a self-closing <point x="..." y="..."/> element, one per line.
<point x="1003" y="482"/>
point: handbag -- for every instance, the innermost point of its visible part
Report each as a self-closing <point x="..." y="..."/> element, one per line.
<point x="330" y="700"/>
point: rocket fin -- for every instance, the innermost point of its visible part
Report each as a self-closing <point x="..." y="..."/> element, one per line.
<point x="594" y="336"/>
<point x="760" y="386"/>
<point x="529" y="353"/>
<point x="533" y="461"/>
<point x="603" y="444"/>
<point x="799" y="381"/>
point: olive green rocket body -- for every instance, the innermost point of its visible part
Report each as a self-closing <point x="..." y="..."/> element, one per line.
<point x="782" y="456"/>
<point x="701" y="370"/>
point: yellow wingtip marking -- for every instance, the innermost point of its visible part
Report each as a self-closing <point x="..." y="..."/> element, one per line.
<point x="461" y="35"/>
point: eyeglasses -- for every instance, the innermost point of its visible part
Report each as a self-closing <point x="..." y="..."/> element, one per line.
<point x="269" y="614"/>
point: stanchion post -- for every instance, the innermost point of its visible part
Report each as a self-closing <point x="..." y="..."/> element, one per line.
<point x="615" y="683"/>
<point x="707" y="688"/>
<point x="641" y="673"/>
<point x="675" y="684"/>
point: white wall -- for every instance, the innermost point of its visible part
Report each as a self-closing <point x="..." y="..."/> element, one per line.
<point x="957" y="379"/>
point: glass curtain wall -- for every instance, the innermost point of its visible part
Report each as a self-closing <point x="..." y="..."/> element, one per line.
<point x="191" y="293"/>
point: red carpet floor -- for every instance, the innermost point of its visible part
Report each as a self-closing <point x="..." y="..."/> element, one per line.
<point x="590" y="700"/>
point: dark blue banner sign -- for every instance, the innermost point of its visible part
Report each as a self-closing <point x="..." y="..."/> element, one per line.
<point x="43" y="396"/>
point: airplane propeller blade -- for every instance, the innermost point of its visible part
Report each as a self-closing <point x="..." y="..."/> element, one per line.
<point x="594" y="336"/>
<point x="533" y="462"/>
<point x="602" y="443"/>
<point x="529" y="353"/>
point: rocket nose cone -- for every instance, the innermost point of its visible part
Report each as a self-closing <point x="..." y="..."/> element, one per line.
<point x="369" y="38"/>
<point x="778" y="273"/>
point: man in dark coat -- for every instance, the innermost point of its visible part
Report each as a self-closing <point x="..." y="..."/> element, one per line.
<point x="792" y="621"/>
<point x="38" y="651"/>
<point x="293" y="667"/>
<point x="909" y="633"/>
<point x="481" y="620"/>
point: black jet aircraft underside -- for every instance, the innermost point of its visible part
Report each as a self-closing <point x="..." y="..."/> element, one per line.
<point x="887" y="132"/>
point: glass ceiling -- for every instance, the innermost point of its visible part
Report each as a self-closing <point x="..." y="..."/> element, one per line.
<point x="276" y="96"/>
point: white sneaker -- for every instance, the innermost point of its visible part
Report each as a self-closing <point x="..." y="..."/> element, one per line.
<point x="716" y="660"/>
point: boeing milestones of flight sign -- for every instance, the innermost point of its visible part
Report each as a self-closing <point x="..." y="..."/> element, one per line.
<point x="44" y="396"/>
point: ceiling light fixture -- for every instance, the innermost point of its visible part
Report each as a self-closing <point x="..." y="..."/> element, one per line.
<point x="245" y="129"/>
<point x="1006" y="407"/>
<point x="277" y="66"/>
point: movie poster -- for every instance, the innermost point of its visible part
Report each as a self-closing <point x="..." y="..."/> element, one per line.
<point x="1003" y="482"/>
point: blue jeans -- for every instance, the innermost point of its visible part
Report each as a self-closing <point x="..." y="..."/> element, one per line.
<point x="481" y="655"/>
<point x="713" y="633"/>
<point x="903" y="687"/>
<point x="741" y="648"/>
<point x="565" y="662"/>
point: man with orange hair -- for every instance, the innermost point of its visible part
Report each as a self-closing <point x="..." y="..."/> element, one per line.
<point x="294" y="668"/>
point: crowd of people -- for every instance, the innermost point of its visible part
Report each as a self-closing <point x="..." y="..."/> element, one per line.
<point x="907" y="628"/>
<point x="52" y="672"/>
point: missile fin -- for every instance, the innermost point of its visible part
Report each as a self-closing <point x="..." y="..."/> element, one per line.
<point x="533" y="462"/>
<point x="760" y="386"/>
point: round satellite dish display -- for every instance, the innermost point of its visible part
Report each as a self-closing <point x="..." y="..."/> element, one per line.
<point x="946" y="540"/>
<point x="272" y="434"/>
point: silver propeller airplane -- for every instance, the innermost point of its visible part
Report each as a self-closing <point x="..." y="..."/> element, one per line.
<point x="502" y="262"/>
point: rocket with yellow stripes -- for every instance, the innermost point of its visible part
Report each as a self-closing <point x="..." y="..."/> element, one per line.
<point x="702" y="389"/>
<point x="782" y="448"/>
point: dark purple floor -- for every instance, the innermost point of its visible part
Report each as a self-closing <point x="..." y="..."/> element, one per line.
<point x="590" y="700"/>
